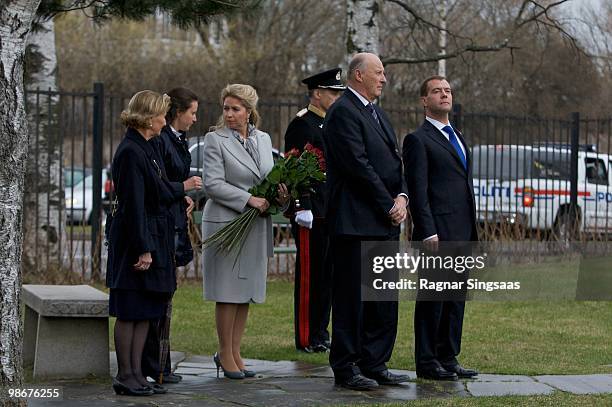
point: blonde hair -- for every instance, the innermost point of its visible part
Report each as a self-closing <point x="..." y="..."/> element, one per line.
<point x="143" y="106"/>
<point x="247" y="96"/>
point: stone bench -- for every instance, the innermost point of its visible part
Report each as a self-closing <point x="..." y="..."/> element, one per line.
<point x="66" y="330"/>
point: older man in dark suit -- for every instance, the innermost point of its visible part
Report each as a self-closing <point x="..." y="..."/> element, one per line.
<point x="366" y="202"/>
<point x="438" y="174"/>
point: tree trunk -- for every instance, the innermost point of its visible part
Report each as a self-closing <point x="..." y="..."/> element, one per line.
<point x="362" y="26"/>
<point x="44" y="206"/>
<point x="15" y="22"/>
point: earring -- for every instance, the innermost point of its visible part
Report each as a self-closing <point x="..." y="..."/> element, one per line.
<point x="150" y="125"/>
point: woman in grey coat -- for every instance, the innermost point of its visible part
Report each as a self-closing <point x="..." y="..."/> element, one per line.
<point x="237" y="156"/>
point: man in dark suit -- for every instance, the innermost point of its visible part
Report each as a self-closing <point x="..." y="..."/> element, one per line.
<point x="437" y="167"/>
<point x="312" y="294"/>
<point x="366" y="202"/>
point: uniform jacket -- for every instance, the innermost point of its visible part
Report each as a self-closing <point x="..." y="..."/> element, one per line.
<point x="303" y="129"/>
<point x="177" y="161"/>
<point x="143" y="221"/>
<point x="364" y="169"/>
<point x="440" y="189"/>
<point x="229" y="172"/>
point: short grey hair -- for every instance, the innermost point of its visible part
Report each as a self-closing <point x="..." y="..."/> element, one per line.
<point x="359" y="61"/>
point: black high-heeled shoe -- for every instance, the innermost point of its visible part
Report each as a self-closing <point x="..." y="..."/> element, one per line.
<point x="123" y="390"/>
<point x="230" y="375"/>
<point x="157" y="389"/>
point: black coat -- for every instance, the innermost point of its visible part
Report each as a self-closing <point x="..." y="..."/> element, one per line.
<point x="364" y="169"/>
<point x="143" y="221"/>
<point x="441" y="191"/>
<point x="177" y="161"/>
<point x="308" y="128"/>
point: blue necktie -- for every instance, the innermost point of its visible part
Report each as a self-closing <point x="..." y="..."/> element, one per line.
<point x="453" y="140"/>
<point x="373" y="112"/>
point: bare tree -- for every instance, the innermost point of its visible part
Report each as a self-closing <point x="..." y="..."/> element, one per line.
<point x="290" y="40"/>
<point x="362" y="26"/>
<point x="418" y="18"/>
<point x="16" y="18"/>
<point x="44" y="218"/>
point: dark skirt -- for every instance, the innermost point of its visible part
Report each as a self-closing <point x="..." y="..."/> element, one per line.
<point x="137" y="305"/>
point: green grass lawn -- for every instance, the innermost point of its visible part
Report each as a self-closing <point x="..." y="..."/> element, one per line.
<point x="554" y="400"/>
<point x="561" y="337"/>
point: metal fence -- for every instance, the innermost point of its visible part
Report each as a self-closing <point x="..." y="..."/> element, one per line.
<point x="530" y="174"/>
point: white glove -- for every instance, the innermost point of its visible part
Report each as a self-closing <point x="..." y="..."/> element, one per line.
<point x="304" y="218"/>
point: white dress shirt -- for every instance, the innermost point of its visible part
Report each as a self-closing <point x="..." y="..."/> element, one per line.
<point x="176" y="132"/>
<point x="439" y="125"/>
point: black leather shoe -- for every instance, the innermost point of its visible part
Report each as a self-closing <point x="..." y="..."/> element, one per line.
<point x="385" y="377"/>
<point x="438" y="373"/>
<point x="358" y="382"/>
<point x="122" y="389"/>
<point x="320" y="348"/>
<point x="462" y="372"/>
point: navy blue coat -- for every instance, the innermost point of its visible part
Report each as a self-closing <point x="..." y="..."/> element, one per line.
<point x="143" y="221"/>
<point x="440" y="189"/>
<point x="177" y="160"/>
<point x="364" y="169"/>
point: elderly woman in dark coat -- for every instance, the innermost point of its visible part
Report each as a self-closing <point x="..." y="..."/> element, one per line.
<point x="140" y="272"/>
<point x="176" y="160"/>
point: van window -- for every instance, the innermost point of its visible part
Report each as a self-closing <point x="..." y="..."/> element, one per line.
<point x="498" y="162"/>
<point x="596" y="171"/>
<point x="551" y="165"/>
<point x="510" y="163"/>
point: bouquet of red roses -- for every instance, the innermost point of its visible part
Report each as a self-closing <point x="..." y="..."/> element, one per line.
<point x="298" y="171"/>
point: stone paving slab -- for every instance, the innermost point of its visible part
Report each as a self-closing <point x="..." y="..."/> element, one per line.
<point x="484" y="377"/>
<point x="299" y="384"/>
<point x="508" y="388"/>
<point x="579" y="384"/>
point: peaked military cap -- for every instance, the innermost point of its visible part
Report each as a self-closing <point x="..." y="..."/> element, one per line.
<point x="330" y="79"/>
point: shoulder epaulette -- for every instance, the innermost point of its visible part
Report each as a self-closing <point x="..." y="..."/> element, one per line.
<point x="302" y="112"/>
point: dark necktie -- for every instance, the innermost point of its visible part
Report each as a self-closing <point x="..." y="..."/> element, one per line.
<point x="455" y="142"/>
<point x="373" y="112"/>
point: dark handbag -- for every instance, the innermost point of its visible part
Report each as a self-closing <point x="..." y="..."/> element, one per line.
<point x="183" y="251"/>
<point x="111" y="214"/>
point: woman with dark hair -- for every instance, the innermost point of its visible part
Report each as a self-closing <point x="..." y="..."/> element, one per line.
<point x="140" y="271"/>
<point x="173" y="149"/>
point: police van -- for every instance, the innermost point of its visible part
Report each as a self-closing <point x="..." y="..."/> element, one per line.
<point x="529" y="186"/>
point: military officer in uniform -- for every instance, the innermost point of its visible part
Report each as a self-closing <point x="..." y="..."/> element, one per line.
<point x="312" y="296"/>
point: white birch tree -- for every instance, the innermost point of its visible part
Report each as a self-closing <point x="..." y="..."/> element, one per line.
<point x="16" y="18"/>
<point x="44" y="209"/>
<point x="362" y="26"/>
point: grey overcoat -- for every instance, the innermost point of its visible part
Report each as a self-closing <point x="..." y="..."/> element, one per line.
<point x="229" y="171"/>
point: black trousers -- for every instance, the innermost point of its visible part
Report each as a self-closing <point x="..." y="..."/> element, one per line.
<point x="437" y="333"/>
<point x="363" y="332"/>
<point x="313" y="288"/>
<point x="438" y="324"/>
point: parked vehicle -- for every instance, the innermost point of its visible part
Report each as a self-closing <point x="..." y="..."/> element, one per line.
<point x="79" y="200"/>
<point x="530" y="186"/>
<point x="74" y="175"/>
